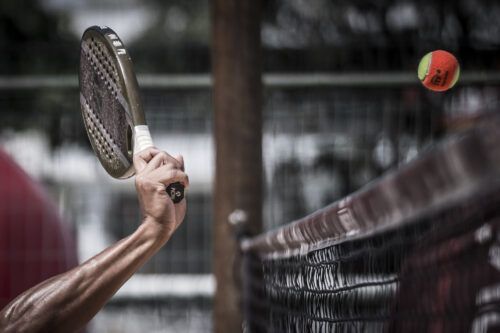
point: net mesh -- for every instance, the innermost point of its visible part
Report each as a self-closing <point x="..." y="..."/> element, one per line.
<point x="432" y="265"/>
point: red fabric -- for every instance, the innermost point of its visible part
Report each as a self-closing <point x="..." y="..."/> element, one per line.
<point x="35" y="244"/>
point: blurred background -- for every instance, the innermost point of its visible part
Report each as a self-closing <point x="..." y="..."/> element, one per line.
<point x="341" y="105"/>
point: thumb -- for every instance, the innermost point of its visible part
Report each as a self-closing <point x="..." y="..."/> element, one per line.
<point x="179" y="158"/>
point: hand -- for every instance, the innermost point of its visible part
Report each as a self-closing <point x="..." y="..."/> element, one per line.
<point x="65" y="302"/>
<point x="155" y="170"/>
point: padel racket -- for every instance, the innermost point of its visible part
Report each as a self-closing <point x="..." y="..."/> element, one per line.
<point x="111" y="106"/>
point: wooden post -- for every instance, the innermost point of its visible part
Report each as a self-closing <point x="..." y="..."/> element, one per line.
<point x="237" y="99"/>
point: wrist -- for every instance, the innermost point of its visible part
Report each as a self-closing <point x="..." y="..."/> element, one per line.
<point x="157" y="232"/>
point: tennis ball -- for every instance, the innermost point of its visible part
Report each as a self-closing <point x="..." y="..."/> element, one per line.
<point x="438" y="70"/>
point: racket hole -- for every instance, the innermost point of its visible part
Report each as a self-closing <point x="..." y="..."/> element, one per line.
<point x="129" y="140"/>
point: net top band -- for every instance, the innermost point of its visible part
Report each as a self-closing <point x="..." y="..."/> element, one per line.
<point x="458" y="168"/>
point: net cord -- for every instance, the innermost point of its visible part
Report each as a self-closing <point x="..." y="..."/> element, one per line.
<point x="461" y="167"/>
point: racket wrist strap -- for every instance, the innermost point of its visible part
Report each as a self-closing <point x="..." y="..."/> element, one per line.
<point x="142" y="138"/>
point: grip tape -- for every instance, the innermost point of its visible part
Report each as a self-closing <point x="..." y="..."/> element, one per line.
<point x="142" y="138"/>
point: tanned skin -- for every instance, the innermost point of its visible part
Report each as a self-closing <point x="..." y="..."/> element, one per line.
<point x="66" y="302"/>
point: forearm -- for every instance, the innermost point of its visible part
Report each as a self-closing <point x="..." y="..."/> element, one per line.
<point x="66" y="302"/>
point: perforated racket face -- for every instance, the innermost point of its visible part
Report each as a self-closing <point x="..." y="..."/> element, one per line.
<point x="111" y="106"/>
<point x="107" y="85"/>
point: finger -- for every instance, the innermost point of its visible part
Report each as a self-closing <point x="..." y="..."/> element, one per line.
<point x="168" y="176"/>
<point x="158" y="160"/>
<point x="148" y="153"/>
<point x="168" y="160"/>
<point x="162" y="158"/>
<point x="179" y="158"/>
<point x="142" y="158"/>
<point x="177" y="162"/>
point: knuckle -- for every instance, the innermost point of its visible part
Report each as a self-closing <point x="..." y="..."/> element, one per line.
<point x="142" y="182"/>
<point x="176" y="164"/>
<point x="163" y="155"/>
<point x="139" y="179"/>
<point x="182" y="175"/>
<point x="170" y="166"/>
<point x="159" y="188"/>
<point x="171" y="173"/>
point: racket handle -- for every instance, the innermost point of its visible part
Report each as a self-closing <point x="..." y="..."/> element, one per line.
<point x="176" y="192"/>
<point x="142" y="138"/>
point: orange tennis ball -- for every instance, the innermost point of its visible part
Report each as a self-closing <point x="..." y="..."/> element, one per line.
<point x="438" y="70"/>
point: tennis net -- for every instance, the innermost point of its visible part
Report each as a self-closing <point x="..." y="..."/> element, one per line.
<point x="415" y="251"/>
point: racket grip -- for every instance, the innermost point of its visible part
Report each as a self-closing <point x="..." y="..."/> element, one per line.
<point x="176" y="192"/>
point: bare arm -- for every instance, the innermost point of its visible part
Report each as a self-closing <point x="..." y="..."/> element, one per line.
<point x="68" y="301"/>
